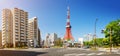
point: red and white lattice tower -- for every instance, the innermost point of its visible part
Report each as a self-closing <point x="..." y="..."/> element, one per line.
<point x="68" y="36"/>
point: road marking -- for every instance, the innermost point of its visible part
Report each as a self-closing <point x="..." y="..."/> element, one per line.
<point x="100" y="53"/>
<point x="81" y="54"/>
<point x="74" y="54"/>
<point x="91" y="54"/>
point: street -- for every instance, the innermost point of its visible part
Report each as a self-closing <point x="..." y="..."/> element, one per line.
<point x="53" y="52"/>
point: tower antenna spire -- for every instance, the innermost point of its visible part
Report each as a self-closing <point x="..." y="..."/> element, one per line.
<point x="67" y="2"/>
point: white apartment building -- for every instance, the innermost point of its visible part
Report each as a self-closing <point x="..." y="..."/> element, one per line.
<point x="33" y="32"/>
<point x="47" y="40"/>
<point x="52" y="38"/>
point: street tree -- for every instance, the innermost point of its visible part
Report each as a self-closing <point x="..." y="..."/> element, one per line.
<point x="113" y="28"/>
<point x="99" y="41"/>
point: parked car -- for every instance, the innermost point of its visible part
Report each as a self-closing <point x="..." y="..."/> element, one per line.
<point x="86" y="47"/>
<point x="79" y="46"/>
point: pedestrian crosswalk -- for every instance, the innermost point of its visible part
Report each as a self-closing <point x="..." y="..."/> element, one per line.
<point x="84" y="54"/>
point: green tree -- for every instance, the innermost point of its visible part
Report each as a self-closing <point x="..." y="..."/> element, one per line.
<point x="58" y="42"/>
<point x="105" y="41"/>
<point x="114" y="28"/>
<point x="99" y="41"/>
<point x="86" y="43"/>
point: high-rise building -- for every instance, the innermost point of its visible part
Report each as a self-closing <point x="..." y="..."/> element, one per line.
<point x="7" y="28"/>
<point x="20" y="21"/>
<point x="0" y="38"/>
<point x="33" y="32"/>
<point x="14" y="27"/>
<point x="39" y="38"/>
<point x="52" y="38"/>
<point x="47" y="40"/>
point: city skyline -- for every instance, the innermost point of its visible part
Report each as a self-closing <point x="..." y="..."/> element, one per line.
<point x="52" y="14"/>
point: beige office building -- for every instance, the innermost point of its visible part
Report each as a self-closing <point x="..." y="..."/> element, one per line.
<point x="33" y="32"/>
<point x="14" y="27"/>
<point x="7" y="28"/>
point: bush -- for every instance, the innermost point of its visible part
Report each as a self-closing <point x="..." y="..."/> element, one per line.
<point x="94" y="48"/>
<point x="106" y="46"/>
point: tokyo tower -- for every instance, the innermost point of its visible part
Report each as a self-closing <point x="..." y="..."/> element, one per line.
<point x="68" y="35"/>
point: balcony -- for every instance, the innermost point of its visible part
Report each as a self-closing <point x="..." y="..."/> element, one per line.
<point x="16" y="25"/>
<point x="16" y="38"/>
<point x="22" y="38"/>
<point x="22" y="26"/>
<point x="16" y="31"/>
<point x="22" y="21"/>
<point x="23" y="41"/>
<point x="16" y="34"/>
<point x="22" y="29"/>
<point x="22" y="32"/>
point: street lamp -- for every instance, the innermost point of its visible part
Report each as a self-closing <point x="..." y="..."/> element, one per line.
<point x="110" y="40"/>
<point x="95" y="33"/>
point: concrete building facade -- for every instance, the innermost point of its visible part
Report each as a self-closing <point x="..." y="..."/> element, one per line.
<point x="33" y="36"/>
<point x="17" y="30"/>
<point x="80" y="42"/>
<point x="47" y="40"/>
<point x="7" y="28"/>
<point x="39" y="38"/>
<point x="20" y="21"/>
<point x="14" y="27"/>
<point x="0" y="38"/>
<point x="52" y="38"/>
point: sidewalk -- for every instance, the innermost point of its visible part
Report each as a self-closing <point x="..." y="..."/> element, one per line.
<point x="107" y="50"/>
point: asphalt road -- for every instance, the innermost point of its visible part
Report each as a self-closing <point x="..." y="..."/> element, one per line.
<point x="53" y="52"/>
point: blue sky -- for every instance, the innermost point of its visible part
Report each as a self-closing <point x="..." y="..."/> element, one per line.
<point x="52" y="14"/>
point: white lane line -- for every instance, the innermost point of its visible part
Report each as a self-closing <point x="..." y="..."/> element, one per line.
<point x="81" y="54"/>
<point x="91" y="54"/>
<point x="100" y="53"/>
<point x="74" y="54"/>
